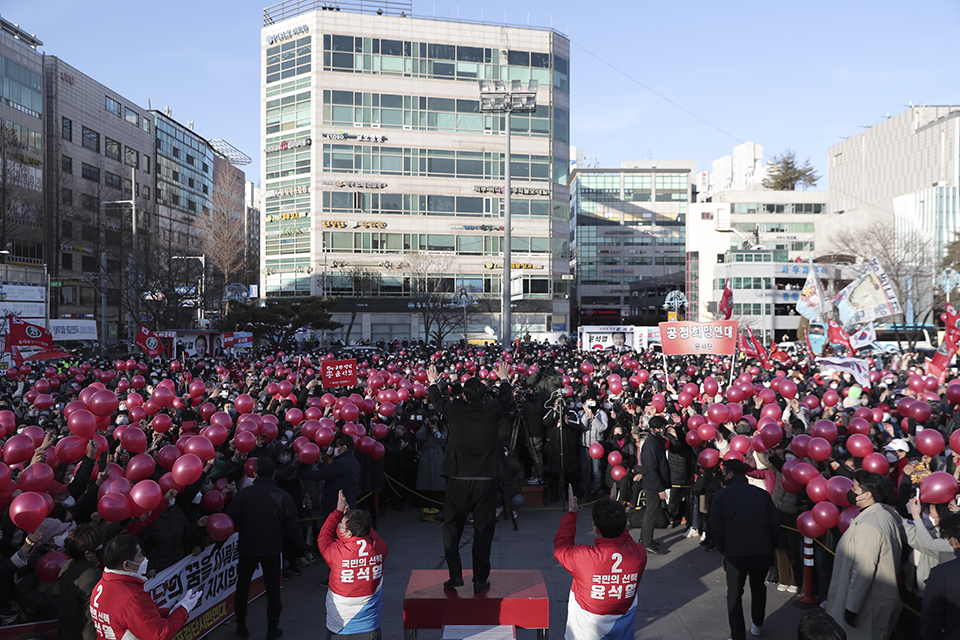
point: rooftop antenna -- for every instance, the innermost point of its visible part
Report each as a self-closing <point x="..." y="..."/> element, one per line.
<point x="190" y="125"/>
<point x="167" y="111"/>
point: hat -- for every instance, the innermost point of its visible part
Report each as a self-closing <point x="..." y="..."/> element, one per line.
<point x="854" y="392"/>
<point x="56" y="488"/>
<point x="897" y="444"/>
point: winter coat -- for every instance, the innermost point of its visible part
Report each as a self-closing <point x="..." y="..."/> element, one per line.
<point x="680" y="459"/>
<point x="653" y="461"/>
<point x="873" y="540"/>
<point x="744" y="520"/>
<point x="431" y="458"/>
<point x="927" y="552"/>
<point x="123" y="609"/>
<point x="473" y="445"/>
<point x="265" y="516"/>
<point x="76" y="583"/>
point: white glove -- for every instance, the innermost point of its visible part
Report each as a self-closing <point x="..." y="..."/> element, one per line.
<point x="190" y="600"/>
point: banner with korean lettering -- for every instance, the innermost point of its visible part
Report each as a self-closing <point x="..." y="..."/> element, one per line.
<point x="214" y="574"/>
<point x="682" y="338"/>
<point x="338" y="373"/>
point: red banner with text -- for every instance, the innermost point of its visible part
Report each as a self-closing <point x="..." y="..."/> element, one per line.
<point x="682" y="338"/>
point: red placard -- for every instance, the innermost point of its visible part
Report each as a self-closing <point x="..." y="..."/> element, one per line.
<point x="339" y="373"/>
<point x="681" y="338"/>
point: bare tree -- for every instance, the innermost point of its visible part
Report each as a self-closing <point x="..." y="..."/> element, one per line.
<point x="909" y="261"/>
<point x="434" y="292"/>
<point x="20" y="195"/>
<point x="366" y="283"/>
<point x="222" y="230"/>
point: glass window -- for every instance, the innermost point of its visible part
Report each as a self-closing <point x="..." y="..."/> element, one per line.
<point x="131" y="116"/>
<point x="66" y="128"/>
<point x="90" y="173"/>
<point x="470" y="244"/>
<point x="111" y="148"/>
<point x="66" y="196"/>
<point x="91" y="140"/>
<point x="437" y="242"/>
<point x="518" y="58"/>
<point x="112" y="105"/>
<point x="66" y="164"/>
<point x="540" y="60"/>
<point x="131" y="158"/>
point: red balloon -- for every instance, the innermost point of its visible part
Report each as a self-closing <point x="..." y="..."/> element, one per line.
<point x="145" y="496"/>
<point x="134" y="439"/>
<point x="219" y="526"/>
<point x="243" y="403"/>
<point x="162" y="396"/>
<point x="830" y="398"/>
<point x="709" y="458"/>
<point x="151" y="408"/>
<point x="707" y="431"/>
<point x="859" y="425"/>
<point x="207" y="409"/>
<point x="920" y="411"/>
<point x="212" y="500"/>
<point x="187" y="469"/>
<point x="825" y="429"/>
<point x="684" y="399"/>
<point x="217" y="434"/>
<point x="771" y="411"/>
<point x="846" y="517"/>
<point x="366" y="444"/>
<point x="953" y="392"/>
<point x="378" y="451"/>
<point x="295" y="416"/>
<point x="859" y="445"/>
<point x="771" y="434"/>
<point x="167" y="456"/>
<point x="812" y="402"/>
<point x="790" y="486"/>
<point x="718" y="413"/>
<point x="245" y="441"/>
<point x="710" y="387"/>
<point x="596" y="450"/>
<point x="826" y="514"/>
<point x="379" y="431"/>
<point x="837" y="488"/>
<point x="200" y="447"/>
<point x="735" y="394"/>
<point x="876" y="463"/>
<point x="309" y="453"/>
<point x="82" y="424"/>
<point x="250" y="467"/>
<point x="817" y="489"/>
<point x="740" y="443"/>
<point x="325" y="436"/>
<point x="799" y="445"/>
<point x="49" y="565"/>
<point x="140" y="467"/>
<point x="788" y="467"/>
<point x="808" y="526"/>
<point x="115" y="484"/>
<point x="36" y="477"/>
<point x="804" y="473"/>
<point x="818" y="449"/>
<point x="167" y="483"/>
<point x="929" y="442"/>
<point x="103" y="403"/>
<point x="693" y="439"/>
<point x="788" y="389"/>
<point x="736" y="412"/>
<point x="349" y="412"/>
<point x="70" y="449"/>
<point x="386" y="409"/>
<point x="43" y="401"/>
<point x="618" y="473"/>
<point x="614" y="458"/>
<point x="938" y="488"/>
<point x="114" y="507"/>
<point x="17" y="449"/>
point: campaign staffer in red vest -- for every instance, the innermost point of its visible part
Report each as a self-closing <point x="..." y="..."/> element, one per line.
<point x="120" y="607"/>
<point x="603" y="597"/>
<point x="354" y="552"/>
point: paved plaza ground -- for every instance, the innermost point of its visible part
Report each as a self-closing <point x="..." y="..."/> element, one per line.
<point x="682" y="595"/>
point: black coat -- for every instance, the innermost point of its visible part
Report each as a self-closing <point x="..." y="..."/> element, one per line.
<point x="76" y="583"/>
<point x="473" y="446"/>
<point x="342" y="474"/>
<point x="941" y="603"/>
<point x="744" y="521"/>
<point x="265" y="516"/>
<point x="680" y="459"/>
<point x="653" y="462"/>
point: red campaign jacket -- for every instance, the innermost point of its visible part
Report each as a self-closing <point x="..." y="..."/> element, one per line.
<point x="605" y="574"/>
<point x="356" y="564"/>
<point x="120" y="608"/>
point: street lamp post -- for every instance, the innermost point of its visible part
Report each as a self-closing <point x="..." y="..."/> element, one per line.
<point x="497" y="96"/>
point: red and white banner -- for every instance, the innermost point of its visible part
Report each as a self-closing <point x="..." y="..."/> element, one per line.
<point x="338" y="373"/>
<point x="149" y="342"/>
<point x="836" y="335"/>
<point x="681" y="338"/>
<point x="726" y="301"/>
<point x="237" y="340"/>
<point x="24" y="334"/>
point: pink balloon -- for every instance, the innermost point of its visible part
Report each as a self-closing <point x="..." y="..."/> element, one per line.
<point x="804" y="473"/>
<point x="808" y="526"/>
<point x="693" y="439"/>
<point x="114" y="507"/>
<point x="859" y="445"/>
<point x="771" y="434"/>
<point x="740" y="443"/>
<point x="167" y="456"/>
<point x="825" y="429"/>
<point x="830" y="398"/>
<point x="929" y="442"/>
<point x="799" y="445"/>
<point x="837" y="488"/>
<point x="134" y="439"/>
<point x="859" y="425"/>
<point x="826" y="514"/>
<point x="817" y="489"/>
<point x="846" y="517"/>
<point x="187" y="469"/>
<point x="938" y="488"/>
<point x="708" y="458"/>
<point x="818" y="449"/>
<point x="36" y="477"/>
<point x="876" y="463"/>
<point x="706" y="431"/>
<point x="718" y="413"/>
<point x="596" y="451"/>
<point x="140" y="467"/>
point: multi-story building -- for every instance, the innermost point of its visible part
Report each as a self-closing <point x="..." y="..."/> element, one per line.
<point x="252" y="199"/>
<point x="761" y="241"/>
<point x="383" y="180"/>
<point x="903" y="173"/>
<point x="629" y="227"/>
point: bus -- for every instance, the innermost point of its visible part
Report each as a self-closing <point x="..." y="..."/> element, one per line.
<point x="900" y="337"/>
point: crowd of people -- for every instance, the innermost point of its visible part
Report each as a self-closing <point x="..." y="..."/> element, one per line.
<point x="648" y="435"/>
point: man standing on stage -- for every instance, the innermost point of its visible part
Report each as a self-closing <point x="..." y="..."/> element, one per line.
<point x="603" y="596"/>
<point x="471" y="465"/>
<point x="355" y="554"/>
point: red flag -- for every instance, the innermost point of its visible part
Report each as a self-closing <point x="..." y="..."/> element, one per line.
<point x="745" y="347"/>
<point x="24" y="334"/>
<point x="836" y="335"/>
<point x="149" y="342"/>
<point x="761" y="351"/>
<point x="726" y="301"/>
<point x="937" y="366"/>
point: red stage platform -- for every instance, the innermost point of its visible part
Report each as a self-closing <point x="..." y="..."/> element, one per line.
<point x="517" y="598"/>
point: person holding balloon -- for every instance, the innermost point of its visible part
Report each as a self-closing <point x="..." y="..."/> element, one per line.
<point x="867" y="603"/>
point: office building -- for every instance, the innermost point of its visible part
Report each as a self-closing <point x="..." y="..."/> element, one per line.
<point x="903" y="172"/>
<point x="383" y="180"/>
<point x="761" y="241"/>
<point x="629" y="227"/>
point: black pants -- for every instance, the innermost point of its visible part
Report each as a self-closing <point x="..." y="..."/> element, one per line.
<point x="738" y="570"/>
<point x="464" y="497"/>
<point x="271" y="581"/>
<point x="651" y="514"/>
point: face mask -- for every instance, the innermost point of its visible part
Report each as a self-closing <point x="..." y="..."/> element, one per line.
<point x="142" y="569"/>
<point x="69" y="502"/>
<point x="288" y="434"/>
<point x="852" y="497"/>
<point x="171" y="502"/>
<point x="283" y="460"/>
<point x="197" y="498"/>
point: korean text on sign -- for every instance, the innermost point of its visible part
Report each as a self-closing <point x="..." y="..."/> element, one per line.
<point x="339" y="373"/>
<point x="681" y="338"/>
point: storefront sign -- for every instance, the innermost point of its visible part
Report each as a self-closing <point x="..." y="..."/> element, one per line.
<point x="352" y="184"/>
<point x="354" y="224"/>
<point x="289" y="33"/>
<point x="289" y="191"/>
<point x="360" y="137"/>
<point x="73" y="330"/>
<point x="286" y="145"/>
<point x="477" y="227"/>
<point x="513" y="265"/>
<point x="295" y="215"/>
<point x="517" y="191"/>
<point x="682" y="338"/>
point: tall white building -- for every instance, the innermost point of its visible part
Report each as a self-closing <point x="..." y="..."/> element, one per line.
<point x="743" y="170"/>
<point x="377" y="159"/>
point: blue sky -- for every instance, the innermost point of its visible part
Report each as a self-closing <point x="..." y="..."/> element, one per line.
<point x="783" y="75"/>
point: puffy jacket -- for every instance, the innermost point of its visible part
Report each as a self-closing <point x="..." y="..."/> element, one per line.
<point x="120" y="606"/>
<point x="76" y="583"/>
<point x="744" y="520"/>
<point x="679" y="459"/>
<point x="653" y="462"/>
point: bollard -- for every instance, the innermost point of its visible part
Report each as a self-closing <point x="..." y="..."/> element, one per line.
<point x="808" y="578"/>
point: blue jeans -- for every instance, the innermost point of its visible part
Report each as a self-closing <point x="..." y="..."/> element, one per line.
<point x="589" y="473"/>
<point x="517" y="501"/>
